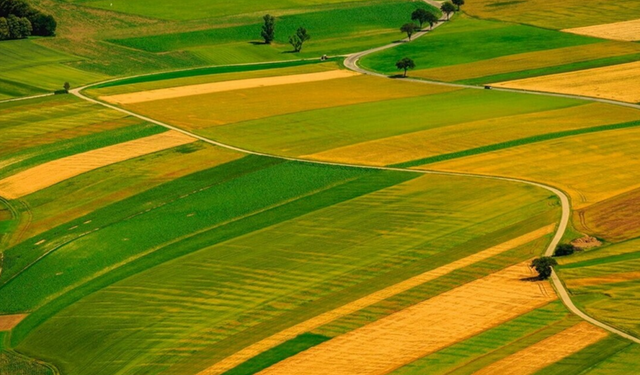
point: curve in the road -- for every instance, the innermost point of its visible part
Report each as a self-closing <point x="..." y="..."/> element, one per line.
<point x="351" y="62"/>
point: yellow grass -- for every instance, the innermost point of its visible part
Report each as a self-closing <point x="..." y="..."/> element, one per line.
<point x="546" y="352"/>
<point x="7" y="322"/>
<point x="617" y="82"/>
<point x="626" y="30"/>
<point x="528" y="61"/>
<point x="419" y="330"/>
<point x="320" y="320"/>
<point x="51" y="173"/>
<point x="204" y="111"/>
<point x="209" y="88"/>
<point x="465" y="136"/>
<point x="591" y="167"/>
<point x="609" y="279"/>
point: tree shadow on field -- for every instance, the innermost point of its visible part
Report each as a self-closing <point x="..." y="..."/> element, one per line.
<point x="397" y="76"/>
<point x="258" y="43"/>
<point x="532" y="278"/>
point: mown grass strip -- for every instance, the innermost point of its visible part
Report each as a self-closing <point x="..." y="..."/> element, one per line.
<point x="209" y="70"/>
<point x="278" y="353"/>
<point x="513" y="143"/>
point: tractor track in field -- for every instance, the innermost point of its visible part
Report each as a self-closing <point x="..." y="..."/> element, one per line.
<point x="351" y="62"/>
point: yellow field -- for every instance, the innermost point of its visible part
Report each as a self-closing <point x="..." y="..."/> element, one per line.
<point x="528" y="61"/>
<point x="410" y="334"/>
<point x="465" y="136"/>
<point x="51" y="173"/>
<point x="320" y="320"/>
<point x="590" y="167"/>
<point x="610" y="278"/>
<point x="547" y="351"/>
<point x="7" y="322"/>
<point x="210" y="88"/>
<point x="204" y="111"/>
<point x="552" y="14"/>
<point x="626" y="30"/>
<point x="617" y="82"/>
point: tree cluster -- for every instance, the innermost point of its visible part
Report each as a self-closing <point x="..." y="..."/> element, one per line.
<point x="564" y="249"/>
<point x="268" y="33"/>
<point x="543" y="266"/>
<point x="18" y="20"/>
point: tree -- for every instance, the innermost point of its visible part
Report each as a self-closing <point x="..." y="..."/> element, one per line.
<point x="543" y="266"/>
<point x="448" y="8"/>
<point x="25" y="27"/>
<point x="564" y="249"/>
<point x="66" y="86"/>
<point x="269" y="29"/>
<point x="431" y="19"/>
<point x="299" y="38"/>
<point x="13" y="23"/>
<point x="43" y="24"/>
<point x="405" y="64"/>
<point x="409" y="28"/>
<point x="458" y="3"/>
<point x="4" y="29"/>
<point x="420" y="15"/>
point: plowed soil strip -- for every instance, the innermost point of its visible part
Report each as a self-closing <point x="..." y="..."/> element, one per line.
<point x="208" y="88"/>
<point x="289" y="333"/>
<point x="427" y="327"/>
<point x="7" y="322"/>
<point x="547" y="351"/>
<point x="51" y="173"/>
<point x="626" y="30"/>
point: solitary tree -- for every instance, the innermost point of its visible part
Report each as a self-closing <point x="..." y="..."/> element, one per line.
<point x="269" y="29"/>
<point x="420" y="15"/>
<point x="431" y="19"/>
<point x="409" y="28"/>
<point x="543" y="266"/>
<point x="564" y="249"/>
<point x="405" y="64"/>
<point x="299" y="38"/>
<point x="458" y="3"/>
<point x="448" y="8"/>
<point x="66" y="86"/>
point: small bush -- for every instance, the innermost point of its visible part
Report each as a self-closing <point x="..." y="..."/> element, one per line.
<point x="564" y="250"/>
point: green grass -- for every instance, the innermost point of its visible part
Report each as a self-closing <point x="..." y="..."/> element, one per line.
<point x="278" y="353"/>
<point x="29" y="69"/>
<point x="170" y="10"/>
<point x="459" y="41"/>
<point x="299" y="269"/>
<point x="621" y="363"/>
<point x="514" y="143"/>
<point x="12" y="363"/>
<point x="335" y="31"/>
<point x="318" y="130"/>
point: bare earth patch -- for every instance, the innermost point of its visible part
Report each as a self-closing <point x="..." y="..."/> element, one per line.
<point x="586" y="242"/>
<point x="427" y="327"/>
<point x="617" y="82"/>
<point x="547" y="351"/>
<point x="53" y="172"/>
<point x="327" y="317"/>
<point x="7" y="322"/>
<point x="209" y="88"/>
<point x="626" y="30"/>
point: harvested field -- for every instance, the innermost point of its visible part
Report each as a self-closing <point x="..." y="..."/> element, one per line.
<point x="311" y="324"/>
<point x="410" y="334"/>
<point x="7" y="322"/>
<point x="610" y="279"/>
<point x="615" y="82"/>
<point x="53" y="172"/>
<point x="590" y="167"/>
<point x="209" y="88"/>
<point x="547" y="352"/>
<point x="528" y="61"/>
<point x="615" y="219"/>
<point x="469" y="135"/>
<point x="625" y="30"/>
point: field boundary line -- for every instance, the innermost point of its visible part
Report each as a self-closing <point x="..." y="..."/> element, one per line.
<point x="26" y="98"/>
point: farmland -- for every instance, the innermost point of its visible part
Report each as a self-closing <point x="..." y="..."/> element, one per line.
<point x="244" y="209"/>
